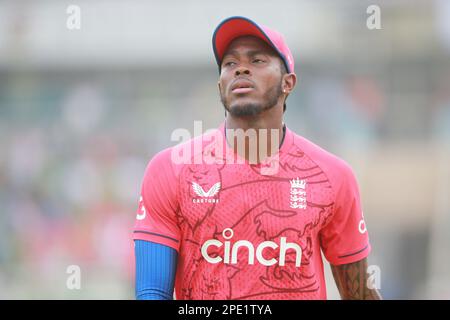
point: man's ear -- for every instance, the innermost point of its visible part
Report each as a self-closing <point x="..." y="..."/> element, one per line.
<point x="288" y="82"/>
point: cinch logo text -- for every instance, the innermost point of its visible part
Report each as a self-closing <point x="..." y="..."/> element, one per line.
<point x="230" y="252"/>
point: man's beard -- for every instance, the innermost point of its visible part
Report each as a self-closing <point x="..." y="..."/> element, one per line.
<point x="245" y="109"/>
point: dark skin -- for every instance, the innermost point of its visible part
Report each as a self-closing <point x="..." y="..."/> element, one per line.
<point x="261" y="107"/>
<point x="351" y="281"/>
<point x="258" y="104"/>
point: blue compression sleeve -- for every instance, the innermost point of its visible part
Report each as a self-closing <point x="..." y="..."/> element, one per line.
<point x="155" y="270"/>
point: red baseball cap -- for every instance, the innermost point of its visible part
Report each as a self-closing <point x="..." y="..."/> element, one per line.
<point x="234" y="27"/>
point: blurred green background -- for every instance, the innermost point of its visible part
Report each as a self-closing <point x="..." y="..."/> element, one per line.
<point x="83" y="111"/>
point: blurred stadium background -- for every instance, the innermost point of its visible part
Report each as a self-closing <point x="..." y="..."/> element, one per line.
<point x="82" y="111"/>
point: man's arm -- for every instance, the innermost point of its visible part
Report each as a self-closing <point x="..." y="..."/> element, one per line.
<point x="155" y="271"/>
<point x="351" y="281"/>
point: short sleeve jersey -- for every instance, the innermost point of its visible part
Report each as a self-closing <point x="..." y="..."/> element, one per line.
<point x="252" y="231"/>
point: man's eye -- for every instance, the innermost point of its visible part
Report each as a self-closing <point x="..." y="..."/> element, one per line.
<point x="258" y="60"/>
<point x="229" y="63"/>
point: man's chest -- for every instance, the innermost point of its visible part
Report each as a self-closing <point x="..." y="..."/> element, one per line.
<point x="254" y="206"/>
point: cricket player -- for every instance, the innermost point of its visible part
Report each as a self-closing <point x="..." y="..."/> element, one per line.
<point x="245" y="211"/>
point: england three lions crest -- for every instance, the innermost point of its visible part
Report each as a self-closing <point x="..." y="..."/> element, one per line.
<point x="298" y="194"/>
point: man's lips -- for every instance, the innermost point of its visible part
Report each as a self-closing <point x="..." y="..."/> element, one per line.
<point x="242" y="86"/>
<point x="242" y="90"/>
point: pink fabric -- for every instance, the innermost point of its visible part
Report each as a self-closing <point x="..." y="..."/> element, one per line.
<point x="311" y="204"/>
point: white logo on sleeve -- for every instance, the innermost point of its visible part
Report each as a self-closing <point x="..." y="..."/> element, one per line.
<point x="141" y="216"/>
<point x="362" y="225"/>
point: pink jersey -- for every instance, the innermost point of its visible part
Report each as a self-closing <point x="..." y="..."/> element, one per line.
<point x="242" y="234"/>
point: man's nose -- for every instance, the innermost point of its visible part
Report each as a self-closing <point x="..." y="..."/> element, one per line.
<point x="242" y="69"/>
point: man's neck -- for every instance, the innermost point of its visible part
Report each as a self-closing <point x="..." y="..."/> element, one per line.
<point x="254" y="131"/>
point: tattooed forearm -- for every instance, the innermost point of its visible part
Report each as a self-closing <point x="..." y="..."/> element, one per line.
<point x="351" y="281"/>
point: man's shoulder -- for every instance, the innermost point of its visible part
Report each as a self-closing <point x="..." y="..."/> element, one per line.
<point x="185" y="153"/>
<point x="329" y="162"/>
